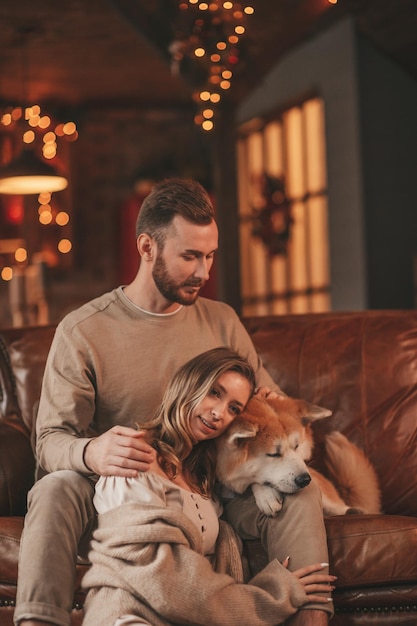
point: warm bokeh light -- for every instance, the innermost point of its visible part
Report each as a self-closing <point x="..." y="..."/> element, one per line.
<point x="33" y="111"/>
<point x="44" y="198"/>
<point x="208" y="113"/>
<point x="64" y="246"/>
<point x="28" y="136"/>
<point x="211" y="40"/>
<point x="34" y="121"/>
<point x="49" y="137"/>
<point x="69" y="128"/>
<point x="21" y="255"/>
<point x="49" y="151"/>
<point x="59" y="130"/>
<point x="62" y="218"/>
<point x="6" y="119"/>
<point x="44" y="121"/>
<point x="45" y="217"/>
<point x="7" y="273"/>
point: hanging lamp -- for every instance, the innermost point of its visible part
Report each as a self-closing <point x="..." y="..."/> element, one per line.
<point x="27" y="174"/>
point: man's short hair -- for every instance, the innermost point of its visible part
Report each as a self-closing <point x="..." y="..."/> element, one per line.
<point x="171" y="197"/>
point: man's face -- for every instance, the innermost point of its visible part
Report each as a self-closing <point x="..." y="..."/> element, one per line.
<point x="182" y="267"/>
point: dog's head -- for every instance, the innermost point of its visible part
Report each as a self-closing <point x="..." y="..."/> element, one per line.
<point x="268" y="444"/>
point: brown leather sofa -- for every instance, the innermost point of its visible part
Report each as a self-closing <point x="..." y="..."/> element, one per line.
<point x="363" y="366"/>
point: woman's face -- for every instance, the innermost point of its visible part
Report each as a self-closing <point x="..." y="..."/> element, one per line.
<point x="226" y="399"/>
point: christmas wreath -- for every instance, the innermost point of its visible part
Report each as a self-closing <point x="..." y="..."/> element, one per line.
<point x="272" y="221"/>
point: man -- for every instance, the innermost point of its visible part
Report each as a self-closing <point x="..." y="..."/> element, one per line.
<point x="106" y="371"/>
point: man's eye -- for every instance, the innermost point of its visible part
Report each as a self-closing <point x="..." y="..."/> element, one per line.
<point x="234" y="409"/>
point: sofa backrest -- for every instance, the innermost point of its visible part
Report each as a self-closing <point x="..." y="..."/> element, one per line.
<point x="362" y="366"/>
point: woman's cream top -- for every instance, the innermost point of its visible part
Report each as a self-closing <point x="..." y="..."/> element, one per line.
<point x="151" y="488"/>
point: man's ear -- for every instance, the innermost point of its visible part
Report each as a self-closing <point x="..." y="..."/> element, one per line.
<point x="146" y="246"/>
<point x="239" y="431"/>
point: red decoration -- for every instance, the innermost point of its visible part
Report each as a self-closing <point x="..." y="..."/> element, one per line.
<point x="13" y="210"/>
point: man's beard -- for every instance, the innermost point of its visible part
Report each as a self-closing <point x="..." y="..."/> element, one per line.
<point x="171" y="290"/>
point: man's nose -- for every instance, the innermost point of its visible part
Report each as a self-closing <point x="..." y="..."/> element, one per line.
<point x="203" y="269"/>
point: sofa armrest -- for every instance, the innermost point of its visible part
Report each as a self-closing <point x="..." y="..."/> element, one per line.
<point x="17" y="467"/>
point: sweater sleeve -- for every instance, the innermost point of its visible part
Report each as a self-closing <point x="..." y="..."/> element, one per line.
<point x="66" y="406"/>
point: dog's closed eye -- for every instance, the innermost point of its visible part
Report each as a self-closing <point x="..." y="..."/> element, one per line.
<point x="277" y="453"/>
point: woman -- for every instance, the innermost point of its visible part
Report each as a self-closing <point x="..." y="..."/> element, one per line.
<point x="160" y="555"/>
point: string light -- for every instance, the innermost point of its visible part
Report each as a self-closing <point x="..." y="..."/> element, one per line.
<point x="207" y="49"/>
<point x="34" y="127"/>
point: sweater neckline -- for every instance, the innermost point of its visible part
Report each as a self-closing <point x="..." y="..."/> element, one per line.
<point x="150" y="313"/>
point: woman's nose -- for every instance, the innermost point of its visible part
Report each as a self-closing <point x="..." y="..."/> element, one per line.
<point x="216" y="413"/>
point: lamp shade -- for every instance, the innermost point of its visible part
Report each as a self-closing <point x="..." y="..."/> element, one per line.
<point x="27" y="174"/>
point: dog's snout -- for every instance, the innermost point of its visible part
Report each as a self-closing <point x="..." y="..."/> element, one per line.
<point x="303" y="480"/>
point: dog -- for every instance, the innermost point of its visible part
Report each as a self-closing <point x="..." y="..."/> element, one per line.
<point x="267" y="446"/>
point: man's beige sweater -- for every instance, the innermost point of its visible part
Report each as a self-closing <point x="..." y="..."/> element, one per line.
<point x="110" y="363"/>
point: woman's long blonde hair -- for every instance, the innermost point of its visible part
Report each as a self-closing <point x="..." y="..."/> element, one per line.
<point x="169" y="430"/>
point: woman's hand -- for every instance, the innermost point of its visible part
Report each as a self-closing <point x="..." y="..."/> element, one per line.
<point x="314" y="582"/>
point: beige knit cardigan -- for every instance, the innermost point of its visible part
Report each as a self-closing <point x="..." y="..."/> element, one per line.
<point x="148" y="561"/>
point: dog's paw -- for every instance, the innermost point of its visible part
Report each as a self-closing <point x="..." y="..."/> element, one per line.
<point x="268" y="499"/>
<point x="355" y="511"/>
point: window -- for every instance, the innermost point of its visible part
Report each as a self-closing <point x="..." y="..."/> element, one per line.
<point x="283" y="212"/>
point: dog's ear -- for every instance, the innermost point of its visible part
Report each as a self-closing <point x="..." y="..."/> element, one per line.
<point x="240" y="431"/>
<point x="312" y="413"/>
